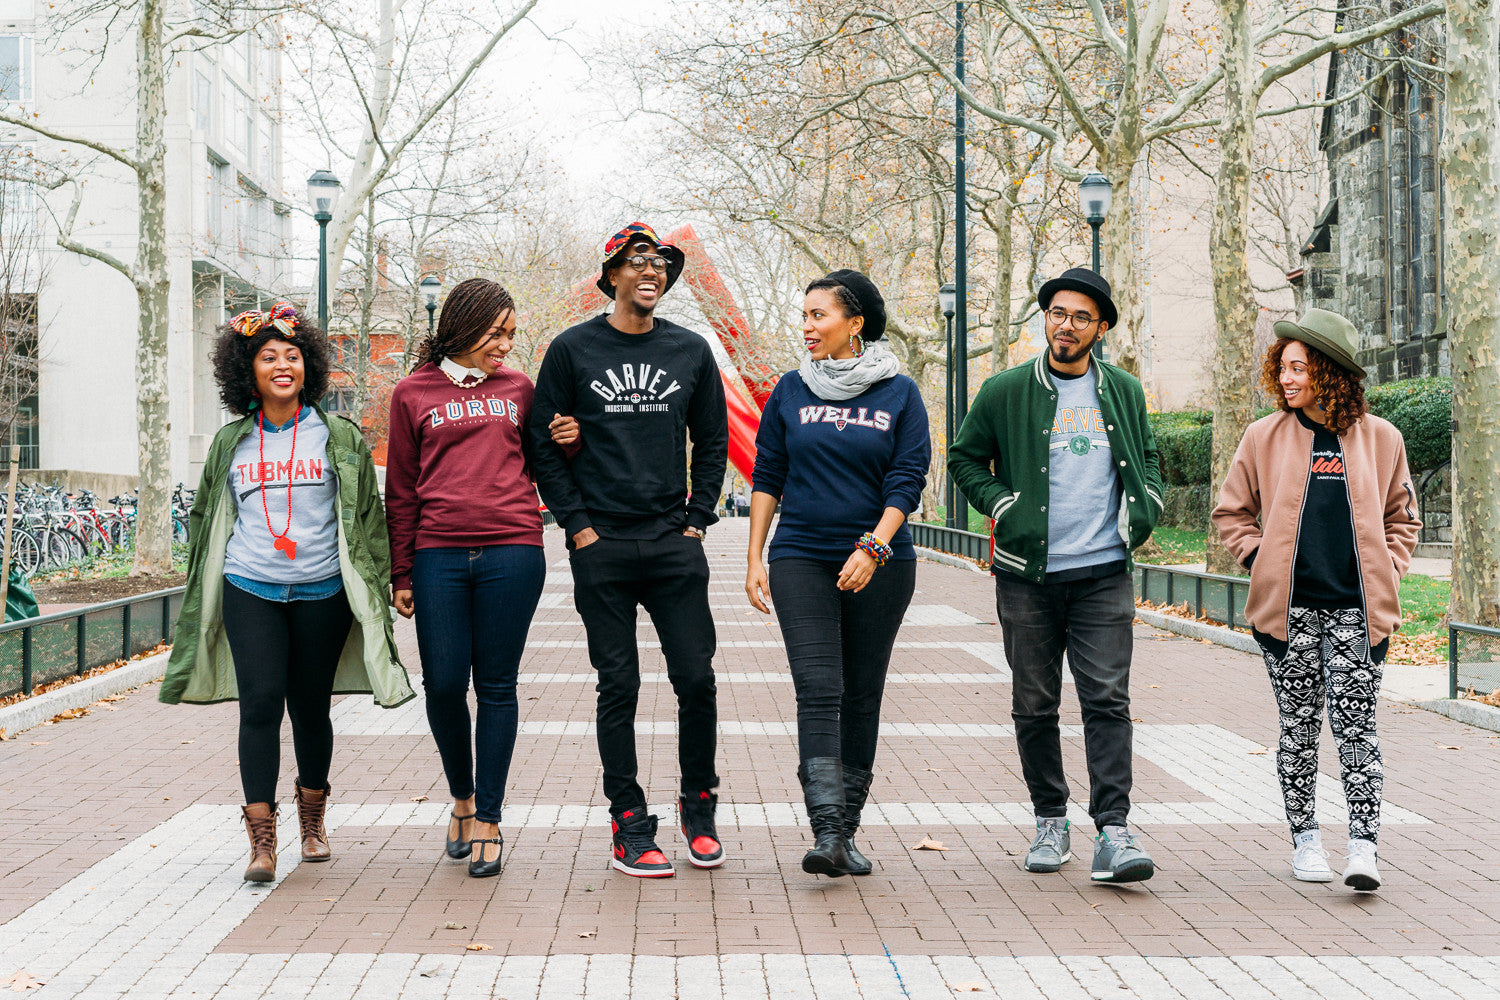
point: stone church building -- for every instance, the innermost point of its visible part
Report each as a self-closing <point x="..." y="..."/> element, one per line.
<point x="1375" y="252"/>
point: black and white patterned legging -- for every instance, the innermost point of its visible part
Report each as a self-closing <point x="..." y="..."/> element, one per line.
<point x="1328" y="651"/>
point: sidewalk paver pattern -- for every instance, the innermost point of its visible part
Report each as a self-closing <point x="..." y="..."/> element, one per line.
<point x="121" y="846"/>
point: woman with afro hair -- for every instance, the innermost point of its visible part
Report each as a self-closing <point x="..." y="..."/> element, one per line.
<point x="1319" y="506"/>
<point x="285" y="603"/>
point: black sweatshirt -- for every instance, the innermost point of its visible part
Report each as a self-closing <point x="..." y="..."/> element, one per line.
<point x="1326" y="574"/>
<point x="637" y="398"/>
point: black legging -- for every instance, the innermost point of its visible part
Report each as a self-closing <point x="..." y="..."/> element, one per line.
<point x="285" y="653"/>
<point x="839" y="646"/>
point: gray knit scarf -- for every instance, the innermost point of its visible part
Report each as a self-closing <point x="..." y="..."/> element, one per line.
<point x="844" y="379"/>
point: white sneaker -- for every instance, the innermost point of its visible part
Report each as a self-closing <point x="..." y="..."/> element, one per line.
<point x="1361" y="873"/>
<point x="1309" y="860"/>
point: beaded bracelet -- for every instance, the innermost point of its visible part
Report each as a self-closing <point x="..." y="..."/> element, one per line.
<point x="875" y="548"/>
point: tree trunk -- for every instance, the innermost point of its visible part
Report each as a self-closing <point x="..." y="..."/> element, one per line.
<point x="153" y="545"/>
<point x="366" y="319"/>
<point x="1118" y="252"/>
<point x="1235" y="309"/>
<point x="1000" y="317"/>
<point x="1471" y="172"/>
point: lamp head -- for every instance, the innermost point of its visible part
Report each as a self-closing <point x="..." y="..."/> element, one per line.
<point x="431" y="285"/>
<point x="947" y="299"/>
<point x="1094" y="196"/>
<point x="323" y="191"/>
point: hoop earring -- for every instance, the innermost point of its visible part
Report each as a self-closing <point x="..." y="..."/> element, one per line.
<point x="859" y="351"/>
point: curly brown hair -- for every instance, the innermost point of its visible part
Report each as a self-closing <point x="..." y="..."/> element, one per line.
<point x="234" y="363"/>
<point x="1338" y="391"/>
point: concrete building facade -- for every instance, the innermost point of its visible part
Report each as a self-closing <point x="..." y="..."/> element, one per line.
<point x="228" y="221"/>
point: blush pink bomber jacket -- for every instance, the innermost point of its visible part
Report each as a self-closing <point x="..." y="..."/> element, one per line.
<point x="1260" y="510"/>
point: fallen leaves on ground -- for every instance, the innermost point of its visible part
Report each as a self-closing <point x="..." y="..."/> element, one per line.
<point x="419" y="798"/>
<point x="454" y="925"/>
<point x="1427" y="649"/>
<point x="928" y="844"/>
<point x="588" y="934"/>
<point x="72" y="713"/>
<point x="23" y="981"/>
<point x="1493" y="698"/>
<point x="477" y="946"/>
<point x="436" y="970"/>
<point x="968" y="987"/>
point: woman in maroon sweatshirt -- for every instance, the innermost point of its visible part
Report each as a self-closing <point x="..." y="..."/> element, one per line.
<point x="466" y="548"/>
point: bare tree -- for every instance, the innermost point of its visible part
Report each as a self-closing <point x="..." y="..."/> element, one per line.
<point x="157" y="29"/>
<point x="1471" y="174"/>
<point x="386" y="75"/>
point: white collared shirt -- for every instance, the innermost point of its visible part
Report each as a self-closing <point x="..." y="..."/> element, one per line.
<point x="457" y="371"/>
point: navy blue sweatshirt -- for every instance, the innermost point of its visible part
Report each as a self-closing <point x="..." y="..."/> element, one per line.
<point x="837" y="466"/>
<point x="637" y="397"/>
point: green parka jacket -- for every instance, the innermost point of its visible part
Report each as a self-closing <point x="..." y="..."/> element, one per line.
<point x="999" y="459"/>
<point x="201" y="669"/>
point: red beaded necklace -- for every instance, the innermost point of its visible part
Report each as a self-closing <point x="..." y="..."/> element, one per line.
<point x="282" y="543"/>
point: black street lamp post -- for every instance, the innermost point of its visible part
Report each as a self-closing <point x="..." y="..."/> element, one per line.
<point x="958" y="508"/>
<point x="323" y="193"/>
<point x="431" y="285"/>
<point x="946" y="298"/>
<point x="1093" y="199"/>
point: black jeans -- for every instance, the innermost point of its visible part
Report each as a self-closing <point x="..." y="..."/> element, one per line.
<point x="474" y="608"/>
<point x="1091" y="620"/>
<point x="285" y="654"/>
<point x="839" y="646"/>
<point x="668" y="576"/>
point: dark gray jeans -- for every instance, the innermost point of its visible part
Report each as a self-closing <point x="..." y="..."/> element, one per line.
<point x="1090" y="619"/>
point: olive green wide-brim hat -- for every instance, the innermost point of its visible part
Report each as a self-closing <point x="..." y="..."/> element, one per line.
<point x="1328" y="332"/>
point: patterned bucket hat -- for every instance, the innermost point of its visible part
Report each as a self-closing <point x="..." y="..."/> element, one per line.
<point x="620" y="242"/>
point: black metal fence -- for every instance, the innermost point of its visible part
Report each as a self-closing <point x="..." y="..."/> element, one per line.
<point x="1480" y="670"/>
<point x="953" y="541"/>
<point x="1207" y="595"/>
<point x="41" y="650"/>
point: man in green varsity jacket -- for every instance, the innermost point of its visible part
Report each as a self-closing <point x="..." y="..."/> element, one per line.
<point x="1059" y="453"/>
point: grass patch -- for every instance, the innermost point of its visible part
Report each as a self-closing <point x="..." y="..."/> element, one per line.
<point x="1167" y="546"/>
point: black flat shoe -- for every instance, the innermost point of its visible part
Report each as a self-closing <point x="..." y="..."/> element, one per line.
<point x="485" y="869"/>
<point x="459" y="849"/>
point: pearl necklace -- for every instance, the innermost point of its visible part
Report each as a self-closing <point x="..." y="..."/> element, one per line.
<point x="462" y="381"/>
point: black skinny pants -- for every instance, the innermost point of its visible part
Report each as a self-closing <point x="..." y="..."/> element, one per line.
<point x="839" y="646"/>
<point x="285" y="654"/>
<point x="668" y="576"/>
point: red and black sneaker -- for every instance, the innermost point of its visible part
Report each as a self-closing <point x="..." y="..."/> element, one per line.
<point x="634" y="850"/>
<point x="695" y="817"/>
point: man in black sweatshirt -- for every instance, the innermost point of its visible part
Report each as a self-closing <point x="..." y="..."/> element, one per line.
<point x="639" y="387"/>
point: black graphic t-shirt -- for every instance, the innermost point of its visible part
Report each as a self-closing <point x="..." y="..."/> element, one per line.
<point x="639" y="399"/>
<point x="1326" y="574"/>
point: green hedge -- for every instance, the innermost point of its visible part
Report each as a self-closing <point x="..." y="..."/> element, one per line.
<point x="1184" y="440"/>
<point x="1421" y="409"/>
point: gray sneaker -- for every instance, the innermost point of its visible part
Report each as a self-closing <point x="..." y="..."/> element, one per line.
<point x="1118" y="858"/>
<point x="1052" y="847"/>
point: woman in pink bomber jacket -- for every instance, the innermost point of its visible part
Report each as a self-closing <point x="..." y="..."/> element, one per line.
<point x="1319" y="506"/>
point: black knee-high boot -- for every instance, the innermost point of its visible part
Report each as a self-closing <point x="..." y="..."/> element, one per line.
<point x="823" y="790"/>
<point x="856" y="790"/>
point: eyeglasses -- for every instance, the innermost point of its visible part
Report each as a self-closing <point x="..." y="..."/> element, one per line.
<point x="641" y="261"/>
<point x="1080" y="321"/>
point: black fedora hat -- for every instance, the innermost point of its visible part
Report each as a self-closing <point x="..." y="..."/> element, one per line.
<point x="1090" y="283"/>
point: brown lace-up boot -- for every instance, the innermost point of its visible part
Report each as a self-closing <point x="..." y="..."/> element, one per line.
<point x="260" y="824"/>
<point x="310" y="808"/>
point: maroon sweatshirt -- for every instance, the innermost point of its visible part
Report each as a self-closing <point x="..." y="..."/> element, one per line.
<point x="456" y="475"/>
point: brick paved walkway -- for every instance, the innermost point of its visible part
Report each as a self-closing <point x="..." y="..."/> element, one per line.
<point x="135" y="890"/>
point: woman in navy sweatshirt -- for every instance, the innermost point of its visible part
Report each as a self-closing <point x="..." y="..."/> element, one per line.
<point x="466" y="548"/>
<point x="843" y="445"/>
